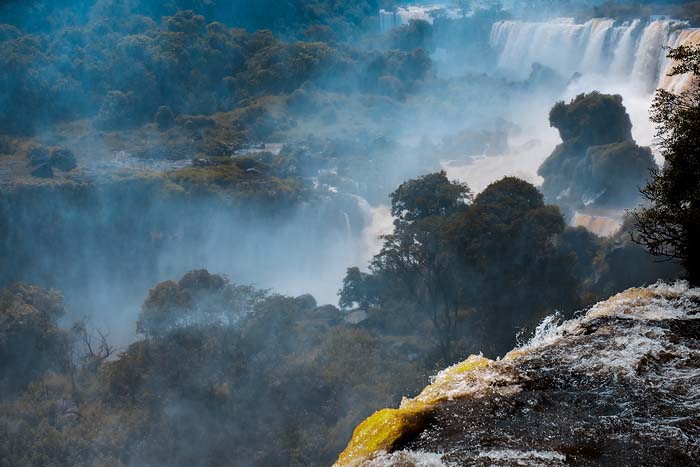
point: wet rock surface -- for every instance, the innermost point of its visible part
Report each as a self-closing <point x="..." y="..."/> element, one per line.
<point x="618" y="386"/>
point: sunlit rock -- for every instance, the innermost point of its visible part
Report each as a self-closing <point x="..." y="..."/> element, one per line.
<point x="615" y="386"/>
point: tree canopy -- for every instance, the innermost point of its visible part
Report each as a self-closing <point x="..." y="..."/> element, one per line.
<point x="449" y="260"/>
<point x="669" y="224"/>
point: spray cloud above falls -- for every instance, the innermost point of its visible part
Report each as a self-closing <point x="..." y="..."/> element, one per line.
<point x="232" y="231"/>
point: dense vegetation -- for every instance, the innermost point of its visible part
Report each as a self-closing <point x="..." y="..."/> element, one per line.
<point x="217" y="372"/>
<point x="224" y="372"/>
<point x="669" y="225"/>
<point x="126" y="71"/>
<point x="688" y="10"/>
<point x="227" y="371"/>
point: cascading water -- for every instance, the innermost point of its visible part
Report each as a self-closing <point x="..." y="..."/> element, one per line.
<point x="618" y="385"/>
<point x="679" y="83"/>
<point x="404" y="14"/>
<point x="631" y="51"/>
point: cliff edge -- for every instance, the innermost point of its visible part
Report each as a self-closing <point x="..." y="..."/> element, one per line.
<point x="619" y="385"/>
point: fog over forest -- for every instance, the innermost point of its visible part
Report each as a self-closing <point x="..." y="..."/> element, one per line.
<point x="232" y="230"/>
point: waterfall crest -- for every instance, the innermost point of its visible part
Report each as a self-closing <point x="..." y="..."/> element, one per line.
<point x="616" y="384"/>
<point x="631" y="50"/>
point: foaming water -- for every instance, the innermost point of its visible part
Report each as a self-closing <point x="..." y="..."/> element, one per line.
<point x="540" y="458"/>
<point x="630" y="363"/>
<point x="679" y="83"/>
<point x="603" y="223"/>
<point x="407" y="458"/>
<point x="522" y="161"/>
<point x="603" y="55"/>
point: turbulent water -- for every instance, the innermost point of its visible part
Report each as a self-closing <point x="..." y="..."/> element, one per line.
<point x="620" y="385"/>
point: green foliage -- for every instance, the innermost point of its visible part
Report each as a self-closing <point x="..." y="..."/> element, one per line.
<point x="31" y="343"/>
<point x="687" y="10"/>
<point x="417" y="34"/>
<point x="686" y="59"/>
<point x="450" y="260"/>
<point x="427" y="196"/>
<point x="669" y="225"/>
<point x="287" y="369"/>
<point x="359" y="288"/>
<point x="247" y="185"/>
<point x="123" y="69"/>
<point x="199" y="298"/>
<point x="592" y="119"/>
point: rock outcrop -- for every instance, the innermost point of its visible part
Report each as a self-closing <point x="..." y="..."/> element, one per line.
<point x="619" y="385"/>
<point x="598" y="163"/>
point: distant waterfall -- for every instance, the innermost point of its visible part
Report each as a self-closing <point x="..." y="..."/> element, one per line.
<point x="404" y="14"/>
<point x="630" y="51"/>
<point x="680" y="82"/>
<point x="389" y="20"/>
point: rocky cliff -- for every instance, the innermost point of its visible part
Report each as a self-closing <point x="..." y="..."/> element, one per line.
<point x="616" y="386"/>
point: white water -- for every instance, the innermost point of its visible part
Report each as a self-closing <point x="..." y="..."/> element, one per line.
<point x="631" y="52"/>
<point x="614" y="58"/>
<point x="624" y="343"/>
<point x="627" y="59"/>
<point x="404" y="14"/>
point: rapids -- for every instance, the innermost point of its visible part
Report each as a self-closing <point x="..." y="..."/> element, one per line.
<point x="618" y="385"/>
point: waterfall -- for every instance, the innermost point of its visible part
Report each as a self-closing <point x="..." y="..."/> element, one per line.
<point x="404" y="14"/>
<point x="348" y="225"/>
<point x="388" y="20"/>
<point x="629" y="51"/>
<point x="679" y="83"/>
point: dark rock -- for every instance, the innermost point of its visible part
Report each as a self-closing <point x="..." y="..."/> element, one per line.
<point x="614" y="387"/>
<point x="597" y="164"/>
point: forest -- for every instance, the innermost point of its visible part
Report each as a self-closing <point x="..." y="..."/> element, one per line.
<point x="231" y="231"/>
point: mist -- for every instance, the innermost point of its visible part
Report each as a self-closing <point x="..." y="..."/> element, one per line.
<point x="262" y="160"/>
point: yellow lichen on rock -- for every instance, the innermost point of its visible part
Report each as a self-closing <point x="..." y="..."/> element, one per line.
<point x="379" y="432"/>
<point x="384" y="428"/>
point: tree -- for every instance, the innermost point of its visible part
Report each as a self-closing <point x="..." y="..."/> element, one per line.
<point x="669" y="225"/>
<point x="199" y="298"/>
<point x="469" y="267"/>
<point x="359" y="287"/>
<point x="507" y="240"/>
<point x="31" y="342"/>
<point x="418" y="254"/>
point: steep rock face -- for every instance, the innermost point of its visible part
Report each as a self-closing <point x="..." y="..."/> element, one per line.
<point x="617" y="386"/>
<point x="597" y="163"/>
